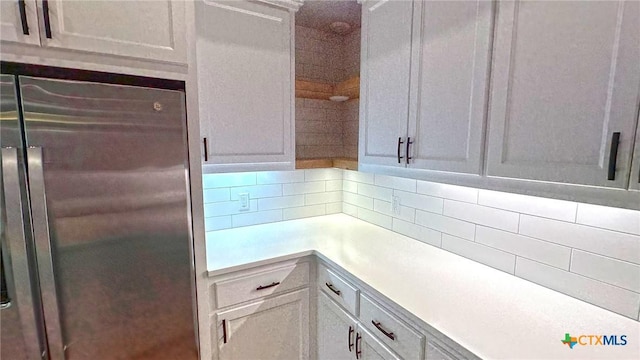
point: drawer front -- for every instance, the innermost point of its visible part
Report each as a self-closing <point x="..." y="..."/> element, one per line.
<point x="338" y="289"/>
<point x="257" y="285"/>
<point x="392" y="331"/>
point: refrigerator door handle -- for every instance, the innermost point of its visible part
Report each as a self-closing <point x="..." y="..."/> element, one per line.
<point x="44" y="252"/>
<point x="18" y="274"/>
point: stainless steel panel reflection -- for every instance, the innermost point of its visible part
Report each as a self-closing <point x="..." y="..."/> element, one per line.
<point x="114" y="161"/>
<point x="19" y="336"/>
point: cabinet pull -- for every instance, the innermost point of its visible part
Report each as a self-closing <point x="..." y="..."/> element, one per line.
<point x="613" y="155"/>
<point x="350" y="338"/>
<point x="400" y="142"/>
<point x="330" y="286"/>
<point x="358" y="348"/>
<point x="268" y="286"/>
<point x="47" y="20"/>
<point x="379" y="327"/>
<point x="23" y="17"/>
<point x="206" y="150"/>
<point x="224" y="331"/>
<point x="409" y="142"/>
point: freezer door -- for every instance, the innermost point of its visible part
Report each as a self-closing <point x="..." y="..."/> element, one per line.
<point x="21" y="335"/>
<point x="109" y="196"/>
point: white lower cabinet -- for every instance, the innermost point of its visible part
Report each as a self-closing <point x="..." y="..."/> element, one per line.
<point x="276" y="328"/>
<point x="269" y="312"/>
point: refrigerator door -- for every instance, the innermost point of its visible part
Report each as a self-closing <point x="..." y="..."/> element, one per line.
<point x="109" y="196"/>
<point x="20" y="321"/>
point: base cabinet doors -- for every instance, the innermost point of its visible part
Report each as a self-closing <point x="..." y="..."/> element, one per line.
<point x="275" y="328"/>
<point x="245" y="88"/>
<point x="371" y="348"/>
<point x="565" y="91"/>
<point x="336" y="331"/>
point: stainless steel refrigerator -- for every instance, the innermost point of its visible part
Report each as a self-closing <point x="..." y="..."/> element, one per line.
<point x="97" y="258"/>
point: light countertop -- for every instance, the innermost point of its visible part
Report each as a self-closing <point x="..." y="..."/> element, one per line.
<point x="489" y="312"/>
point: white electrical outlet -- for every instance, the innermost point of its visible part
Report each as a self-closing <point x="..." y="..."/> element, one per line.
<point x="395" y="205"/>
<point x="244" y="201"/>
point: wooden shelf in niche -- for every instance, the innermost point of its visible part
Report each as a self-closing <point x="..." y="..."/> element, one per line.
<point x="341" y="163"/>
<point x="323" y="91"/>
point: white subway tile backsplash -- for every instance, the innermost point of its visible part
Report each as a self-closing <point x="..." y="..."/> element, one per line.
<point x="395" y="182"/>
<point x="357" y="200"/>
<point x="227" y="208"/>
<point x="210" y="181"/>
<point x="259" y="217"/>
<point x="616" y="219"/>
<point x="303" y="212"/>
<point x="451" y="192"/>
<point x="349" y="209"/>
<point x="217" y="223"/>
<point x="587" y="251"/>
<point x="612" y="271"/>
<point x="609" y="243"/>
<point x="482" y="215"/>
<point x="375" y="192"/>
<point x="446" y="224"/>
<point x="418" y="232"/>
<point x="216" y="195"/>
<point x="280" y="177"/>
<point x="257" y="191"/>
<point x="386" y="208"/>
<point x="375" y="218"/>
<point x="542" y="251"/>
<point x="480" y="253"/>
<point x="280" y="202"/>
<point x="611" y="297"/>
<point x="350" y="186"/>
<point x="333" y="185"/>
<point x="360" y="177"/>
<point x="549" y="208"/>
<point x="334" y="208"/>
<point x="303" y="188"/>
<point x="420" y="202"/>
<point x="323" y="198"/>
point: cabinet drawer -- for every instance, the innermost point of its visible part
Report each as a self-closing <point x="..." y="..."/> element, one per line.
<point x="256" y="285"/>
<point x="338" y="289"/>
<point x="392" y="331"/>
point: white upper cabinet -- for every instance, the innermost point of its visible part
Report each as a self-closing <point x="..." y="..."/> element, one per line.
<point x="565" y="80"/>
<point x="149" y="30"/>
<point x="449" y="84"/>
<point x="384" y="80"/>
<point x="424" y="79"/>
<point x="245" y="84"/>
<point x="336" y="331"/>
<point x="19" y="22"/>
<point x="140" y="29"/>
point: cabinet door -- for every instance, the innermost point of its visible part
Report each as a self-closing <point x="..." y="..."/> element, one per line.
<point x="451" y="54"/>
<point x="384" y="82"/>
<point x="154" y="30"/>
<point x="245" y="90"/>
<point x="336" y="331"/>
<point x="19" y="26"/>
<point x="565" y="79"/>
<point x="277" y="328"/>
<point x="373" y="349"/>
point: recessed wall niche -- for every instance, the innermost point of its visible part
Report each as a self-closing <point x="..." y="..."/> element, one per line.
<point x="327" y="72"/>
